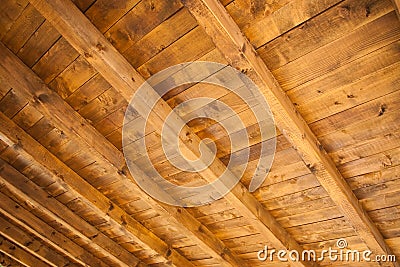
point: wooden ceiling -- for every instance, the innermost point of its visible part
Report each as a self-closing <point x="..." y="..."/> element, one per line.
<point x="329" y="69"/>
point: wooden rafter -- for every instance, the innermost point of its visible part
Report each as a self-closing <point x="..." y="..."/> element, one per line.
<point x="12" y="135"/>
<point x="15" y="252"/>
<point x="61" y="114"/>
<point x="30" y="245"/>
<point x="90" y="43"/>
<point x="396" y="4"/>
<point x="12" y="182"/>
<point x="47" y="234"/>
<point x="228" y="38"/>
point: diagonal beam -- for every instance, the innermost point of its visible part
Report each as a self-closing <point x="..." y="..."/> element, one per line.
<point x="11" y="184"/>
<point x="396" y="4"/>
<point x="15" y="252"/>
<point x="48" y="235"/>
<point x="73" y="125"/>
<point x="228" y="38"/>
<point x="89" y="42"/>
<point x="8" y="260"/>
<point x="17" y="236"/>
<point x="33" y="151"/>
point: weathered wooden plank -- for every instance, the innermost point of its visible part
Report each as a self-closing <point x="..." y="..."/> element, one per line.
<point x="352" y="135"/>
<point x="298" y="208"/>
<point x="310" y="217"/>
<point x="73" y="77"/>
<point x="88" y="92"/>
<point x="372" y="163"/>
<point x="51" y="64"/>
<point x="287" y="17"/>
<point x="382" y="176"/>
<point x="237" y="49"/>
<point x="362" y="149"/>
<point x="397" y="6"/>
<point x="8" y="260"/>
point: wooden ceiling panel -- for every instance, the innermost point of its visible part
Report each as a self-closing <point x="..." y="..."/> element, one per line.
<point x="62" y="138"/>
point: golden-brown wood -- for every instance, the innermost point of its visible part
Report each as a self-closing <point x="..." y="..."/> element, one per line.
<point x="31" y="244"/>
<point x="82" y="190"/>
<point x="46" y="233"/>
<point x="204" y="238"/>
<point x="16" y="252"/>
<point x="240" y="53"/>
<point x="124" y="78"/>
<point x="397" y="5"/>
<point x="13" y="181"/>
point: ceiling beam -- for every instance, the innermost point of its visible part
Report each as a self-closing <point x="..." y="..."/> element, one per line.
<point x="87" y="195"/>
<point x="9" y="261"/>
<point x="30" y="244"/>
<point x="236" y="48"/>
<point x="20" y="216"/>
<point x="90" y="43"/>
<point x="62" y="116"/>
<point x="43" y="206"/>
<point x="396" y="4"/>
<point x="14" y="251"/>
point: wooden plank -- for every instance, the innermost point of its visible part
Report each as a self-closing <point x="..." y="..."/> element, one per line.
<point x="23" y="28"/>
<point x="38" y="44"/>
<point x="160" y="37"/>
<point x="350" y="95"/>
<point x="46" y="233"/>
<point x="177" y="53"/>
<point x="10" y="10"/>
<point x="129" y="29"/>
<point x="31" y="244"/>
<point x="353" y="134"/>
<point x="89" y="244"/>
<point x="385" y="30"/>
<point x="347" y="74"/>
<point x="397" y="6"/>
<point x="124" y="78"/>
<point x="18" y="253"/>
<point x="37" y="152"/>
<point x="229" y="39"/>
<point x="343" y="18"/>
<point x="14" y="182"/>
<point x="374" y="109"/>
<point x="8" y="260"/>
<point x="73" y="77"/>
<point x="287" y="17"/>
<point x="51" y="64"/>
<point x="372" y="163"/>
